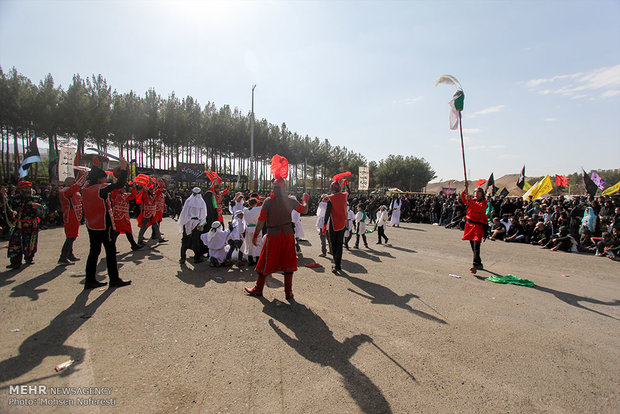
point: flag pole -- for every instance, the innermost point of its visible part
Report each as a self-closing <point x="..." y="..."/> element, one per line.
<point x="463" y="150"/>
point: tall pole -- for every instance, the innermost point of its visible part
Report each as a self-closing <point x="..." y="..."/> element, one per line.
<point x="252" y="141"/>
<point x="463" y="150"/>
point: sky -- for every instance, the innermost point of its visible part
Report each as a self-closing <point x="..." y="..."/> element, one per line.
<point x="541" y="78"/>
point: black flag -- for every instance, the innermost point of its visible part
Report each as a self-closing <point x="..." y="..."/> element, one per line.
<point x="504" y="193"/>
<point x="590" y="186"/>
<point x="491" y="183"/>
<point x="521" y="180"/>
<point x="31" y="156"/>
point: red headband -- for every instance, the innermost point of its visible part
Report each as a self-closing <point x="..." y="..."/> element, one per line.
<point x="24" y="184"/>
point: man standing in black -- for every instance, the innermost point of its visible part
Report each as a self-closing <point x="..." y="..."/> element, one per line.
<point x="336" y="215"/>
<point x="99" y="225"/>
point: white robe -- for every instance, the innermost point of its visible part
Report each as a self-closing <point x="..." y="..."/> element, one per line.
<point x="395" y="207"/>
<point x="350" y="221"/>
<point x="320" y="215"/>
<point x="218" y="244"/>
<point x="194" y="206"/>
<point x="382" y="218"/>
<point x="360" y="224"/>
<point x="296" y="219"/>
<point x="250" y="216"/>
<point x="235" y="206"/>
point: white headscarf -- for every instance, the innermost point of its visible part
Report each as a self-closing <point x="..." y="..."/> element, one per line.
<point x="194" y="207"/>
<point x="214" y="229"/>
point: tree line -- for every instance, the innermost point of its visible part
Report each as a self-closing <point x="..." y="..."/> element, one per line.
<point x="161" y="132"/>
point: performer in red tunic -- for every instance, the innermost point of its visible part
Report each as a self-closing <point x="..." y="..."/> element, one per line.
<point x="120" y="214"/>
<point x="100" y="226"/>
<point x="476" y="224"/>
<point x="71" y="204"/>
<point x="336" y="215"/>
<point x="278" y="253"/>
<point x="148" y="216"/>
<point x="160" y="202"/>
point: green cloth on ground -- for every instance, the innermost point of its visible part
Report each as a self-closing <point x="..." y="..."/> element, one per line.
<point x="512" y="279"/>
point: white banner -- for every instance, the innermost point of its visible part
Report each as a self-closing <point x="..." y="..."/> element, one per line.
<point x="66" y="157"/>
<point x="364" y="179"/>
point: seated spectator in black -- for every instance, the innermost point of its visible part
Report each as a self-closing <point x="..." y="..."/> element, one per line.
<point x="562" y="241"/>
<point x="516" y="232"/>
<point x="586" y="244"/>
<point x="541" y="234"/>
<point x="607" y="243"/>
<point x="528" y="228"/>
<point x="457" y="222"/>
<point x="498" y="230"/>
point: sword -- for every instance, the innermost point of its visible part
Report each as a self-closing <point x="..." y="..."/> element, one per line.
<point x="105" y="154"/>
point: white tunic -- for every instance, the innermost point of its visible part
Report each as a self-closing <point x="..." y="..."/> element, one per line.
<point x="395" y="207"/>
<point x="250" y="216"/>
<point x="360" y="224"/>
<point x="217" y="245"/>
<point x="350" y="221"/>
<point x="194" y="213"/>
<point x="296" y="219"/>
<point x="320" y="215"/>
<point x="382" y="218"/>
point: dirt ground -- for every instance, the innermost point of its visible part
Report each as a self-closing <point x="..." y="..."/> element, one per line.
<point x="395" y="333"/>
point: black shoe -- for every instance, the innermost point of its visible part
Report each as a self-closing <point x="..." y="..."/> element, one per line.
<point x="198" y="260"/>
<point x="366" y="246"/>
<point x="356" y="246"/>
<point x="386" y="241"/>
<point x="323" y="255"/>
<point x="378" y="242"/>
<point x="29" y="261"/>
<point x="94" y="285"/>
<point x="74" y="259"/>
<point x="478" y="266"/>
<point x="336" y="270"/>
<point x="137" y="247"/>
<point x="14" y="266"/>
<point x="120" y="283"/>
<point x="290" y="298"/>
<point x="182" y="260"/>
<point x="63" y="262"/>
<point x="162" y="240"/>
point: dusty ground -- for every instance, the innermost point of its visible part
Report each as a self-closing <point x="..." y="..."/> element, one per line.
<point x="395" y="334"/>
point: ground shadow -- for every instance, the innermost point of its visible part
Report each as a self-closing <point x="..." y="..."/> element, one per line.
<point x="139" y="256"/>
<point x="314" y="341"/>
<point x="353" y="267"/>
<point x="50" y="340"/>
<point x="381" y="253"/>
<point x="574" y="300"/>
<point x="203" y="273"/>
<point x="409" y="228"/>
<point x="402" y="249"/>
<point x="8" y="274"/>
<point x="362" y="254"/>
<point x="381" y="295"/>
<point x="30" y="289"/>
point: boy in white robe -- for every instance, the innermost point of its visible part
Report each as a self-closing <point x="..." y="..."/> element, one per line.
<point x="360" y="225"/>
<point x="236" y="204"/>
<point x="350" y="224"/>
<point x="235" y="239"/>
<point x="216" y="240"/>
<point x="250" y="217"/>
<point x="382" y="219"/>
<point x="320" y="218"/>
<point x="299" y="230"/>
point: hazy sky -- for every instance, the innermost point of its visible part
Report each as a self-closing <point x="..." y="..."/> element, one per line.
<point x="541" y="78"/>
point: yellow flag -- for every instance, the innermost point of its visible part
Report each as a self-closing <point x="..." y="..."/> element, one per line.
<point x="612" y="190"/>
<point x="526" y="186"/>
<point x="530" y="189"/>
<point x="543" y="188"/>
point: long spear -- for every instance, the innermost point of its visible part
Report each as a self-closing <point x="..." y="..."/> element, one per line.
<point x="456" y="107"/>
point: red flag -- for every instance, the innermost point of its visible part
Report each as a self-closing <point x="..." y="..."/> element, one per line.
<point x="481" y="181"/>
<point x="561" y="181"/>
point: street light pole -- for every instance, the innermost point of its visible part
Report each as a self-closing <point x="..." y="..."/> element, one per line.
<point x="252" y="140"/>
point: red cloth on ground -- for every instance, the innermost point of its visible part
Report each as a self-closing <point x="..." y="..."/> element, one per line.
<point x="278" y="255"/>
<point x="476" y="211"/>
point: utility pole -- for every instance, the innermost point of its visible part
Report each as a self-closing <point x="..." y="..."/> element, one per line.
<point x="252" y="141"/>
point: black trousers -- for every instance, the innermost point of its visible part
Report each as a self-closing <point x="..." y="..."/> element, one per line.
<point x="475" y="248"/>
<point x="335" y="240"/>
<point x="381" y="233"/>
<point x="357" y="240"/>
<point x="67" y="248"/>
<point x="98" y="238"/>
<point x="130" y="239"/>
<point x="191" y="241"/>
